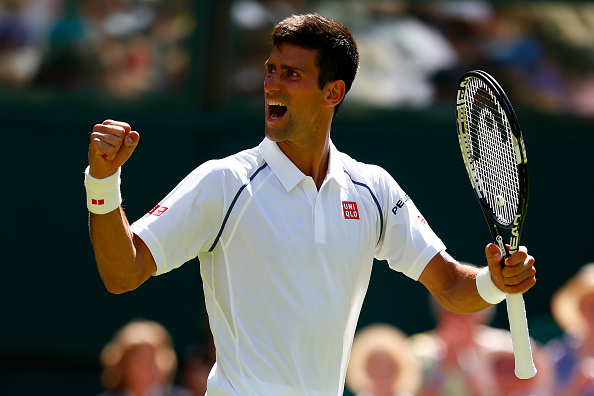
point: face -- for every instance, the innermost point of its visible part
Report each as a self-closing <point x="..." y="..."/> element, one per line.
<point x="458" y="329"/>
<point x="382" y="370"/>
<point x="587" y="309"/>
<point x="507" y="381"/>
<point x="295" y="105"/>
<point x="139" y="367"/>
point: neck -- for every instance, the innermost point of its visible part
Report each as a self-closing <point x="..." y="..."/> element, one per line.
<point x="383" y="390"/>
<point x="311" y="157"/>
<point x="136" y="389"/>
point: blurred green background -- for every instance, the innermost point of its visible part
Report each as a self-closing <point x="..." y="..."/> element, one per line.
<point x="187" y="75"/>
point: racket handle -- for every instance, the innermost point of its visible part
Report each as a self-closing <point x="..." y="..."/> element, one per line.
<point x="518" y="326"/>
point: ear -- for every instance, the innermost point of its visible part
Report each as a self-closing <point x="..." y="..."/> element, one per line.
<point x="334" y="93"/>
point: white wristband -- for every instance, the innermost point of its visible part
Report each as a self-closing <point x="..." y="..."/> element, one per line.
<point x="487" y="289"/>
<point x="103" y="195"/>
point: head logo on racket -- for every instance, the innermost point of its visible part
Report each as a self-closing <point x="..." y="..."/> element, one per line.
<point x="495" y="159"/>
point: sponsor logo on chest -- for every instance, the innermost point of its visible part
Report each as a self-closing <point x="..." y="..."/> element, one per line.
<point x="350" y="211"/>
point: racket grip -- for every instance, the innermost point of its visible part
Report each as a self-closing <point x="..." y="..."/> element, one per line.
<point x="518" y="326"/>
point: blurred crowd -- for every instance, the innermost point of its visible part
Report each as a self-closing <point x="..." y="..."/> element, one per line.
<point x="412" y="53"/>
<point x="464" y="356"/>
<point x="122" y="47"/>
<point x="461" y="356"/>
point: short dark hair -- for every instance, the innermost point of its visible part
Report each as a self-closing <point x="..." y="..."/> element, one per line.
<point x="338" y="57"/>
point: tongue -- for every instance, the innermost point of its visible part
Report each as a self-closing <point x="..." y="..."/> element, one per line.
<point x="277" y="111"/>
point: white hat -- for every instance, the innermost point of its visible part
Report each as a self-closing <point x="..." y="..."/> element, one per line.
<point x="388" y="339"/>
<point x="565" y="304"/>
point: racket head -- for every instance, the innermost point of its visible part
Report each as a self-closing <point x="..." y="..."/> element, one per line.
<point x="495" y="158"/>
<point x="493" y="149"/>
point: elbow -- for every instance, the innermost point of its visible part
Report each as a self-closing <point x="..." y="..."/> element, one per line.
<point x="458" y="307"/>
<point x="116" y="289"/>
<point x="118" y="286"/>
<point x="448" y="302"/>
<point x="119" y="277"/>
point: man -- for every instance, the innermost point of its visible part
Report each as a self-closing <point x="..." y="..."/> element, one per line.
<point x="286" y="232"/>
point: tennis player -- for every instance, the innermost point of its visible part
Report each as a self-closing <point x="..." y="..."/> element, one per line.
<point x="286" y="232"/>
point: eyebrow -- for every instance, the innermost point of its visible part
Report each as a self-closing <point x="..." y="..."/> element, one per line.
<point x="284" y="67"/>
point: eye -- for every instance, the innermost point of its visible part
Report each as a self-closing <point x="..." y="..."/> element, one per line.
<point x="269" y="69"/>
<point x="292" y="73"/>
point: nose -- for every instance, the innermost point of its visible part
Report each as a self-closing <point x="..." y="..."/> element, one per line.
<point x="271" y="83"/>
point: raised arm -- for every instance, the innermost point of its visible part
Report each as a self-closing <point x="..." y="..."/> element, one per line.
<point x="454" y="284"/>
<point x="123" y="259"/>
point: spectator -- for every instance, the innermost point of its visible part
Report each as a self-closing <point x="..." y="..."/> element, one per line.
<point x="573" y="354"/>
<point x="382" y="363"/>
<point x="501" y="360"/>
<point x="453" y="356"/>
<point x="20" y="53"/>
<point x="198" y="362"/>
<point x="140" y="361"/>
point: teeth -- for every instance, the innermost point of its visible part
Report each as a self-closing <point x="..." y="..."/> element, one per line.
<point x="274" y="113"/>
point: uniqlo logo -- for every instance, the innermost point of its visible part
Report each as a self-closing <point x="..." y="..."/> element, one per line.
<point x="350" y="210"/>
<point x="98" y="201"/>
<point x="158" y="210"/>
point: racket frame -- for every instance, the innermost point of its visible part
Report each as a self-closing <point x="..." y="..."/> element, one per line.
<point x="516" y="311"/>
<point x="521" y="162"/>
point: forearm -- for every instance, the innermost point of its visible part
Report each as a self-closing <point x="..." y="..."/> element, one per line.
<point x="123" y="260"/>
<point x="462" y="296"/>
<point x="117" y="256"/>
<point x="453" y="284"/>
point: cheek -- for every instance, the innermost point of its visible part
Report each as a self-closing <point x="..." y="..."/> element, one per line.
<point x="140" y="365"/>
<point x="309" y="105"/>
<point x="306" y="94"/>
<point x="587" y="307"/>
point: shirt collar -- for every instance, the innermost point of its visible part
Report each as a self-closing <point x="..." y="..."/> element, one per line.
<point x="336" y="168"/>
<point x="288" y="174"/>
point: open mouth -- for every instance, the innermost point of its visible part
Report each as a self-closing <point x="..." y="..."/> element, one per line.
<point x="276" y="110"/>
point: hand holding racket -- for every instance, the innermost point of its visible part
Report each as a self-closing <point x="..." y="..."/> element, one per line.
<point x="495" y="157"/>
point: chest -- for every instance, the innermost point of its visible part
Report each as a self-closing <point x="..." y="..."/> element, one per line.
<point x="305" y="223"/>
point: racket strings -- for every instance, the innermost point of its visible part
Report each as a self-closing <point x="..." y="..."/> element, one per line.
<point x="492" y="152"/>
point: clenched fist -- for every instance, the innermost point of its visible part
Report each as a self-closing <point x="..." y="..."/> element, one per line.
<point x="112" y="143"/>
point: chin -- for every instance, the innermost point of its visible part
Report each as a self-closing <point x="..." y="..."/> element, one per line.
<point x="276" y="135"/>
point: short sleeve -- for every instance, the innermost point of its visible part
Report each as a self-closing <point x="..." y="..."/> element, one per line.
<point x="185" y="222"/>
<point x="408" y="243"/>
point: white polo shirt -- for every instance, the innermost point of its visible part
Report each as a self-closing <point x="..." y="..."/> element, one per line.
<point x="285" y="267"/>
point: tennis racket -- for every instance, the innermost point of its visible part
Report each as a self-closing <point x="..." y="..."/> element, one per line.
<point x="495" y="157"/>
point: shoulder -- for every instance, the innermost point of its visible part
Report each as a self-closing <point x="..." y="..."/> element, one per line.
<point x="217" y="180"/>
<point x="237" y="168"/>
<point x="371" y="175"/>
<point x="241" y="163"/>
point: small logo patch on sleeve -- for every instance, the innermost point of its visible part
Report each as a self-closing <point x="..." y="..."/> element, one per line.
<point x="400" y="203"/>
<point x="158" y="210"/>
<point x="350" y="211"/>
